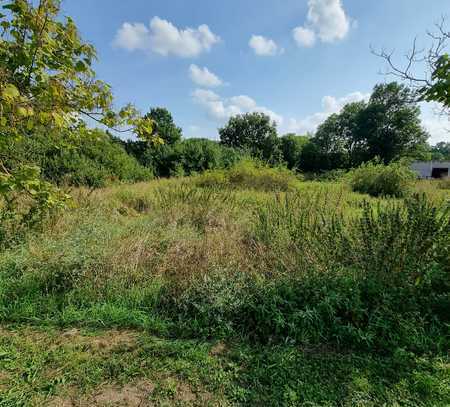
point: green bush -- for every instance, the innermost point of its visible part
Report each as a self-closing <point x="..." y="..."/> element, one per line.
<point x="250" y="174"/>
<point x="25" y="202"/>
<point x="187" y="157"/>
<point x="377" y="179"/>
<point x="91" y="158"/>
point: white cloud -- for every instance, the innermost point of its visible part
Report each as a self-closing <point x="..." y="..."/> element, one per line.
<point x="221" y="109"/>
<point x="163" y="38"/>
<point x="304" y="37"/>
<point x="263" y="46"/>
<point x="204" y="77"/>
<point x="243" y="102"/>
<point x="327" y="20"/>
<point x="132" y="37"/>
<point x="330" y="105"/>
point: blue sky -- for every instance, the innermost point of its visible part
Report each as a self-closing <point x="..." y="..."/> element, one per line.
<point x="296" y="60"/>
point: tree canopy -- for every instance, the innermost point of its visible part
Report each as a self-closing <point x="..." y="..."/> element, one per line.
<point x="388" y="126"/>
<point x="164" y="126"/>
<point x="254" y="132"/>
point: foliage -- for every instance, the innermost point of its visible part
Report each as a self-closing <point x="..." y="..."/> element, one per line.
<point x="291" y="147"/>
<point x="377" y="179"/>
<point x="46" y="78"/>
<point x="388" y="126"/>
<point x="339" y="139"/>
<point x="249" y="174"/>
<point x="27" y="201"/>
<point x="89" y="158"/>
<point x="439" y="88"/>
<point x="164" y="126"/>
<point x="187" y="157"/>
<point x="441" y="151"/>
<point x="427" y="70"/>
<point x="317" y="265"/>
<point x="328" y="176"/>
<point x="392" y="123"/>
<point x="254" y="132"/>
<point x="47" y="84"/>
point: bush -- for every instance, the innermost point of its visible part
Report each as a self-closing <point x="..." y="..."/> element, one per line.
<point x="378" y="179"/>
<point x="91" y="159"/>
<point x="25" y="202"/>
<point x="250" y="174"/>
<point x="187" y="157"/>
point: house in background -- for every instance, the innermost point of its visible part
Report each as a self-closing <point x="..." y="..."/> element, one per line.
<point x="431" y="169"/>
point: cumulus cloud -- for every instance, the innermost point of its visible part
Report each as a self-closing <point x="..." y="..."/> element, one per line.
<point x="304" y="37"/>
<point x="221" y="109"/>
<point x="263" y="46"/>
<point x="163" y="38"/>
<point x="204" y="77"/>
<point x="330" y="105"/>
<point x="326" y="19"/>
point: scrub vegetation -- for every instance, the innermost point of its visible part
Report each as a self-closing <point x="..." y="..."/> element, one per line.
<point x="305" y="270"/>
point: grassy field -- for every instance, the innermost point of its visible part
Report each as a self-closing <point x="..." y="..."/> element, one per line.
<point x="230" y="288"/>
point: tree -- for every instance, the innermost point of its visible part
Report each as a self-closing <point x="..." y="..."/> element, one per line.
<point x="198" y="155"/>
<point x="254" y="132"/>
<point x="47" y="85"/>
<point x="46" y="75"/>
<point x="164" y="125"/>
<point x="434" y="84"/>
<point x="311" y="159"/>
<point x="441" y="151"/>
<point x="291" y="147"/>
<point x="390" y="124"/>
<point x="339" y="139"/>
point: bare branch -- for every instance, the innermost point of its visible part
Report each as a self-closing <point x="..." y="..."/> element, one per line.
<point x="416" y="57"/>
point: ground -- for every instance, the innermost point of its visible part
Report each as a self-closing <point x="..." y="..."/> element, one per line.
<point x="47" y="366"/>
<point x="137" y="295"/>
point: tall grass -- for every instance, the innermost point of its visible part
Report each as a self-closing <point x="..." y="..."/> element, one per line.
<point x="312" y="264"/>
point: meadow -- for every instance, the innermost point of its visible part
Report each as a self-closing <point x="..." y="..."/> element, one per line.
<point x="246" y="286"/>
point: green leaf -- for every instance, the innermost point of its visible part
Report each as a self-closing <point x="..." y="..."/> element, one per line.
<point x="10" y="92"/>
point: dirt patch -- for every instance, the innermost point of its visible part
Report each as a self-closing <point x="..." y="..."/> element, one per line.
<point x="218" y="349"/>
<point x="115" y="339"/>
<point x="132" y="395"/>
<point x="4" y="379"/>
<point x="106" y="341"/>
<point x="60" y="402"/>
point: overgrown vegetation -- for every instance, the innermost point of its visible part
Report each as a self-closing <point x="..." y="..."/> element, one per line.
<point x="294" y="278"/>
<point x="301" y="270"/>
<point x="376" y="179"/>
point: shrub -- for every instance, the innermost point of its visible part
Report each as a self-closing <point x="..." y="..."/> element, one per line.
<point x="250" y="174"/>
<point x="91" y="159"/>
<point x="187" y="157"/>
<point x="377" y="179"/>
<point x="25" y="202"/>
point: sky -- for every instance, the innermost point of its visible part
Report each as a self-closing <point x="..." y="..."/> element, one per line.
<point x="296" y="60"/>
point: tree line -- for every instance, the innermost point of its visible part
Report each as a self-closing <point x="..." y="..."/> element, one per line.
<point x="386" y="127"/>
